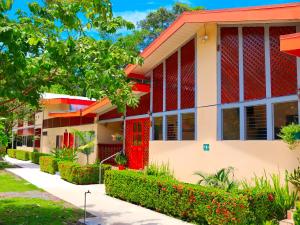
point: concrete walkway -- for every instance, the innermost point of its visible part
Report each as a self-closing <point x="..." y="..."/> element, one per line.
<point x="110" y="211"/>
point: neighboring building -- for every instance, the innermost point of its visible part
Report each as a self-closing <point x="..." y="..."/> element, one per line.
<point x="220" y="90"/>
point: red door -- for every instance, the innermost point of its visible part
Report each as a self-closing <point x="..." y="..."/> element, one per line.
<point x="137" y="143"/>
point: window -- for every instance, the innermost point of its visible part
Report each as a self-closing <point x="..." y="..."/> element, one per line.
<point x="58" y="143"/>
<point x="172" y="125"/>
<point x="137" y="134"/>
<point x="284" y="114"/>
<point x="29" y="141"/>
<point x="231" y="124"/>
<point x="157" y="128"/>
<point x="188" y="126"/>
<point x="256" y="123"/>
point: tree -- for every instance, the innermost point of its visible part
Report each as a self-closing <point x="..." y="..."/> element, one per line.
<point x="52" y="46"/>
<point x="86" y="142"/>
<point x="159" y="20"/>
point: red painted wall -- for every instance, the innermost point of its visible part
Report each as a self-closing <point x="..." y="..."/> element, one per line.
<point x="188" y="75"/>
<point x="143" y="107"/>
<point x="158" y="89"/>
<point x="254" y="63"/>
<point x="172" y="82"/>
<point x="111" y="115"/>
<point x="283" y="66"/>
<point x="229" y="65"/>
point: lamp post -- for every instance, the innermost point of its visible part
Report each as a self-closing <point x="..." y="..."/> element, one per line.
<point x="85" y="193"/>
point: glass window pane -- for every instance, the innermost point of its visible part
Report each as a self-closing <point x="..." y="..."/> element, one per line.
<point x="231" y="124"/>
<point x="256" y="123"/>
<point x="172" y="124"/>
<point x="284" y="114"/>
<point x="158" y="128"/>
<point x="188" y="126"/>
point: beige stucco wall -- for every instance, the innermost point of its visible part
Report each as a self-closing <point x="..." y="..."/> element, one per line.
<point x="248" y="157"/>
<point x="48" y="142"/>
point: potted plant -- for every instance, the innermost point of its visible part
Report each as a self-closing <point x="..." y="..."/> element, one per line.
<point x="121" y="160"/>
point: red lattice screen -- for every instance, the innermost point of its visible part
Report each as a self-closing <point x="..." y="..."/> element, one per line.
<point x="107" y="150"/>
<point x="66" y="122"/>
<point x="111" y="115"/>
<point x="143" y="107"/>
<point x="158" y="89"/>
<point x="254" y="63"/>
<point x="188" y="75"/>
<point x="229" y="65"/>
<point x="172" y="82"/>
<point x="283" y="66"/>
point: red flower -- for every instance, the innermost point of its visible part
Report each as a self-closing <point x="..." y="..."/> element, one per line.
<point x="271" y="197"/>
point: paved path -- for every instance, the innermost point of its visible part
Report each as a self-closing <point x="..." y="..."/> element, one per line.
<point x="111" y="211"/>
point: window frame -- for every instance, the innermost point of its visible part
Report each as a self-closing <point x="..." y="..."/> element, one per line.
<point x="269" y="101"/>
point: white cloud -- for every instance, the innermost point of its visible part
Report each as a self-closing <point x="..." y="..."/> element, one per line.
<point x="133" y="16"/>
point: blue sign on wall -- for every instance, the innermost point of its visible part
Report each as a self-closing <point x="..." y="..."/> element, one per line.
<point x="206" y="147"/>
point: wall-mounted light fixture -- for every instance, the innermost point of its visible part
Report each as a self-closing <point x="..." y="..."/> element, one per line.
<point x="204" y="37"/>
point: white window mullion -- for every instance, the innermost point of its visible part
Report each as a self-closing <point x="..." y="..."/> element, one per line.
<point x="164" y="127"/>
<point x="151" y="106"/>
<point x="241" y="83"/>
<point x="219" y="86"/>
<point x="298" y="77"/>
<point x="269" y="106"/>
<point x="164" y="86"/>
<point x="179" y="130"/>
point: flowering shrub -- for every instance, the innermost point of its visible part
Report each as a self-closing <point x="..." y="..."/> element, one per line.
<point x="11" y="153"/>
<point x="48" y="164"/>
<point x="194" y="203"/>
<point x="78" y="174"/>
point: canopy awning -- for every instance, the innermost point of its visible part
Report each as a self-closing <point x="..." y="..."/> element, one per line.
<point x="290" y="44"/>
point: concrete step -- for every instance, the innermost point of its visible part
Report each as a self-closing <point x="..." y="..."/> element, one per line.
<point x="286" y="222"/>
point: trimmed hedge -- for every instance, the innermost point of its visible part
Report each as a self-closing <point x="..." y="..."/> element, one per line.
<point x="48" y="164"/>
<point x="11" y="153"/>
<point x="261" y="204"/>
<point x="194" y="203"/>
<point x="35" y="157"/>
<point x="23" y="155"/>
<point x="78" y="174"/>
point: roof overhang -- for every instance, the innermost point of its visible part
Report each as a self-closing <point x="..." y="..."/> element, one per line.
<point x="101" y="106"/>
<point x="187" y="25"/>
<point x="290" y="44"/>
<point x="56" y="101"/>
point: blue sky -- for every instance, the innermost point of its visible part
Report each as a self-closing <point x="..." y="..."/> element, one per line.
<point x="135" y="10"/>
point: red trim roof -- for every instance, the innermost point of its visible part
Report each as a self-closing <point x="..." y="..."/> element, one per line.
<point x="283" y="12"/>
<point x="290" y="44"/>
<point x="89" y="111"/>
<point x="68" y="101"/>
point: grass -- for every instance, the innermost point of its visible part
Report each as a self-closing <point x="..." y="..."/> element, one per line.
<point x="4" y="165"/>
<point x="28" y="211"/>
<point x="11" y="183"/>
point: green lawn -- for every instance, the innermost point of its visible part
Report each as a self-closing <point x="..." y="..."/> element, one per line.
<point x="11" y="183"/>
<point x="28" y="211"/>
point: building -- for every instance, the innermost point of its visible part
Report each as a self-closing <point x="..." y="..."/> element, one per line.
<point x="219" y="91"/>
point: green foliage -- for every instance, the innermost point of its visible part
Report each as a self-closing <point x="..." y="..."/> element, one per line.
<point x="52" y="45"/>
<point x="296" y="215"/>
<point x="222" y="179"/>
<point x="35" y="157"/>
<point x="3" y="136"/>
<point x="48" y="164"/>
<point x="23" y="155"/>
<point x="194" y="203"/>
<point x="35" y="211"/>
<point x="284" y="198"/>
<point x="121" y="159"/>
<point x="290" y="134"/>
<point x="4" y="165"/>
<point x="11" y="153"/>
<point x="2" y="152"/>
<point x="78" y="174"/>
<point x="86" y="142"/>
<point x="11" y="183"/>
<point x="159" y="20"/>
<point x="294" y="178"/>
<point x="65" y="154"/>
<point x="159" y="170"/>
